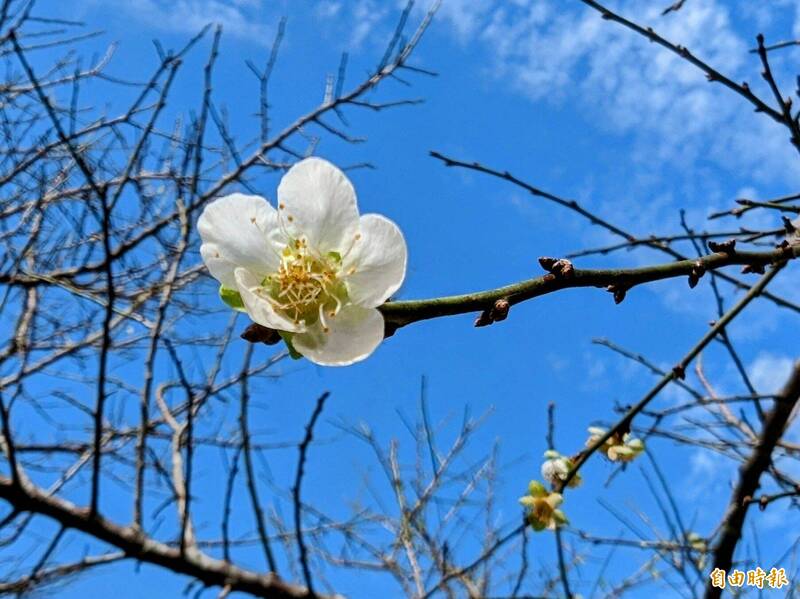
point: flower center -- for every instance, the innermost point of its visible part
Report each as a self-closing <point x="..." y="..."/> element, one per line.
<point x="306" y="287"/>
<point x="542" y="510"/>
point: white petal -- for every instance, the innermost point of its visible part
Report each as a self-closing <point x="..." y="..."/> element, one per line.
<point x="353" y="335"/>
<point x="319" y="202"/>
<point x="258" y="308"/>
<point x="235" y="230"/>
<point x="379" y="258"/>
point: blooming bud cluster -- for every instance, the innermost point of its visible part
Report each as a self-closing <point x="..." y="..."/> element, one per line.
<point x="542" y="507"/>
<point x="617" y="448"/>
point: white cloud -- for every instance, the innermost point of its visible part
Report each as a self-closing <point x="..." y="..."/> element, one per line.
<point x="367" y="15"/>
<point x="464" y="17"/>
<point x="768" y="372"/>
<point x="238" y="18"/>
<point x="358" y="22"/>
<point x="709" y="475"/>
<point x="626" y="84"/>
<point x="328" y="9"/>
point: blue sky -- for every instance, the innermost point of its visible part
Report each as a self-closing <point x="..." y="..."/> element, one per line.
<point x="566" y="101"/>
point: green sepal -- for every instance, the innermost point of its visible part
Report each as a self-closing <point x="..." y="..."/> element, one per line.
<point x="287" y="339"/>
<point x="232" y="298"/>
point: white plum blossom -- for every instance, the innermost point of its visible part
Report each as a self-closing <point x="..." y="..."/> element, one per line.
<point x="311" y="269"/>
<point x="556" y="468"/>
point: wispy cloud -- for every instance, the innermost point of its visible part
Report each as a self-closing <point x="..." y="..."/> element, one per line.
<point x="627" y="85"/>
<point x="238" y="18"/>
<point x="708" y="475"/>
<point x="624" y="85"/>
<point x="769" y="372"/>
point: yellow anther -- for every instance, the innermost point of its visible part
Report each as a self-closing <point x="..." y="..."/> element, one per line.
<point x="305" y="285"/>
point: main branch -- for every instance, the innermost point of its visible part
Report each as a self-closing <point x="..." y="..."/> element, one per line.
<point x="399" y="314"/>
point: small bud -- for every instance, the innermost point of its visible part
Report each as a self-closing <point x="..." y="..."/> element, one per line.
<point x="679" y="371"/>
<point x="753" y="268"/>
<point x="483" y="320"/>
<point x="500" y="310"/>
<point x="547" y="263"/>
<point x="699" y="268"/>
<point x="567" y="270"/>
<point x="560" y="267"/>
<point x="255" y="333"/>
<point x="725" y="247"/>
<point x="619" y="293"/>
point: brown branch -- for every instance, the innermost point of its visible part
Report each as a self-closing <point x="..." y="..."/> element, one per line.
<point x="298" y="506"/>
<point x="209" y="571"/>
<point x="750" y="475"/>
<point x="56" y="574"/>
<point x="249" y="470"/>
